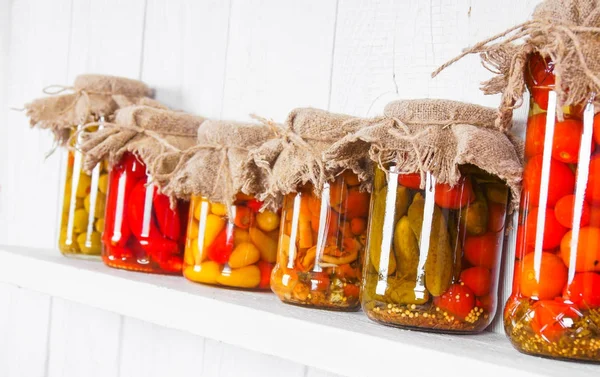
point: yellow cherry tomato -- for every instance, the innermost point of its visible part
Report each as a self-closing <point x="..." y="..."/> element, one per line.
<point x="90" y="245"/>
<point x="213" y="226"/>
<point x="240" y="235"/>
<point x="98" y="205"/>
<point x="103" y="183"/>
<point x="80" y="220"/>
<point x="218" y="209"/>
<point x="83" y="185"/>
<point x="267" y="221"/>
<point x="99" y="225"/>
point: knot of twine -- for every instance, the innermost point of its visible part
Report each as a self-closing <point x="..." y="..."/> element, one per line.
<point x="293" y="138"/>
<point x="56" y="89"/>
<point x="158" y="136"/>
<point x="402" y="131"/>
<point x="564" y="35"/>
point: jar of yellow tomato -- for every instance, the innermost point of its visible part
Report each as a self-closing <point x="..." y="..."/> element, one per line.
<point x="232" y="247"/>
<point x="321" y="245"/>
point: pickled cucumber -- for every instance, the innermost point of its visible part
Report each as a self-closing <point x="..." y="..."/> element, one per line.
<point x="376" y="233"/>
<point x="406" y="249"/>
<point x="474" y="217"/>
<point x="406" y="292"/>
<point x="402" y="202"/>
<point x="439" y="261"/>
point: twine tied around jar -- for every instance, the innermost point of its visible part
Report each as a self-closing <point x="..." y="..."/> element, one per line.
<point x="90" y="98"/>
<point x="566" y="31"/>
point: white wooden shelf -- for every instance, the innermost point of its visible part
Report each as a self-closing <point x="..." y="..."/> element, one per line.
<point x="344" y="343"/>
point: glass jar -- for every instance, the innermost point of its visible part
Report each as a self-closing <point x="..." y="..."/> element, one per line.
<point x="84" y="198"/>
<point x="433" y="256"/>
<point x="141" y="232"/>
<point x="235" y="248"/>
<point x="321" y="245"/>
<point x="554" y="309"/>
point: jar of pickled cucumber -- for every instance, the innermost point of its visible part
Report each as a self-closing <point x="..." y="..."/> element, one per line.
<point x="434" y="250"/>
<point x="141" y="231"/>
<point x="84" y="198"/>
<point x="321" y="245"/>
<point x="233" y="247"/>
<point x="554" y="309"/>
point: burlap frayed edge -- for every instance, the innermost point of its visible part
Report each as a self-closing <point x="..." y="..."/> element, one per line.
<point x="445" y="171"/>
<point x="575" y="81"/>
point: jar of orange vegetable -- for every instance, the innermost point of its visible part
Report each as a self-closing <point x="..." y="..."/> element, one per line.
<point x="322" y="243"/>
<point x="555" y="306"/>
<point x="144" y="229"/>
<point x="82" y="219"/>
<point x="436" y="226"/>
<point x="325" y="210"/>
<point x="231" y="239"/>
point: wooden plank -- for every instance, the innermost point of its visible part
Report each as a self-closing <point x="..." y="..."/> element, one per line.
<point x="29" y="187"/>
<point x="106" y="37"/>
<point x="23" y="331"/>
<point x="149" y="350"/>
<point x="260" y="323"/>
<point x="278" y="57"/>
<point x="185" y="45"/>
<point x="224" y="360"/>
<point x="83" y="341"/>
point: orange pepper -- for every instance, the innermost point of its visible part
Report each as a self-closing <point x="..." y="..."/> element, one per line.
<point x="243" y="217"/>
<point x="357" y="204"/>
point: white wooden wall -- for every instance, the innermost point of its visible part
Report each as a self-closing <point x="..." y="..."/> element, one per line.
<point x="222" y="59"/>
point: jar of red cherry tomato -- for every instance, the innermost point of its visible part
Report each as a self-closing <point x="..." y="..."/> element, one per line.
<point x="321" y="245"/>
<point x="233" y="247"/>
<point x="554" y="309"/>
<point x="142" y="232"/>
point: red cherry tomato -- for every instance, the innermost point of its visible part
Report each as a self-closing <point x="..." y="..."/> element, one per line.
<point x="412" y="181"/>
<point x="551" y="319"/>
<point x="478" y="279"/>
<point x="552" y="233"/>
<point x="584" y="290"/>
<point x="564" y="210"/>
<point x="482" y="250"/>
<point x="454" y="197"/>
<point x="541" y="97"/>
<point x="561" y="181"/>
<point x="592" y="192"/>
<point x="458" y="300"/>
<point x="496" y="216"/>
<point x="567" y="140"/>
<point x="539" y="71"/>
<point x="536" y="131"/>
<point x="351" y="290"/>
<point x="254" y="205"/>
<point x="320" y="281"/>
